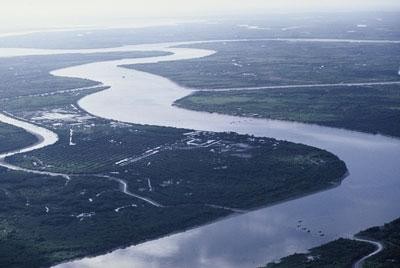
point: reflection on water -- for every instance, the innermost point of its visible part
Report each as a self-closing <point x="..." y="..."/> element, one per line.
<point x="369" y="196"/>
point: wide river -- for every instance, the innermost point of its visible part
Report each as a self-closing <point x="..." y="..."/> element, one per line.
<point x="369" y="196"/>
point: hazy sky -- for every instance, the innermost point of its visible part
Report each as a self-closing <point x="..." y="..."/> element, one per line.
<point x="19" y="13"/>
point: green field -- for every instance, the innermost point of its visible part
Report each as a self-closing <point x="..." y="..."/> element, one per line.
<point x="271" y="63"/>
<point x="373" y="109"/>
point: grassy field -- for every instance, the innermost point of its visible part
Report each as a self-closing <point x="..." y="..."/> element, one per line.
<point x="373" y="109"/>
<point x="269" y="63"/>
<point x="192" y="173"/>
<point x="345" y="252"/>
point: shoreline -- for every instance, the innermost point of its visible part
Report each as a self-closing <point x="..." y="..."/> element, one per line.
<point x="4" y="163"/>
<point x="379" y="247"/>
<point x="42" y="141"/>
<point x="217" y="220"/>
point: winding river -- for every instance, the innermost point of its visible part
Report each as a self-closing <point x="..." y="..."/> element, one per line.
<point x="45" y="138"/>
<point x="368" y="197"/>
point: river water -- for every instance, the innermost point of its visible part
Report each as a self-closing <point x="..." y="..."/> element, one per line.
<point x="45" y="138"/>
<point x="368" y="196"/>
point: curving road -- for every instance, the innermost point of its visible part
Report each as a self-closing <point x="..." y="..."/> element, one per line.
<point x="379" y="248"/>
<point x="125" y="190"/>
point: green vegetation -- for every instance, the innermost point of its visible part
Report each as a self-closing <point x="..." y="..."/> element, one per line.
<point x="389" y="235"/>
<point x="198" y="176"/>
<point x="271" y="63"/>
<point x="98" y="145"/>
<point x="194" y="174"/>
<point x="374" y="109"/>
<point x="179" y="174"/>
<point x="345" y="252"/>
<point x="341" y="253"/>
<point x="21" y="76"/>
<point x="43" y="221"/>
<point x="234" y="170"/>
<point x="185" y="169"/>
<point x="12" y="138"/>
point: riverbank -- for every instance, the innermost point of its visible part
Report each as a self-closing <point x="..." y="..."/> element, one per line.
<point x="164" y="92"/>
<point x="369" y="108"/>
<point x="227" y="156"/>
<point x="343" y="85"/>
<point x="353" y="147"/>
<point x="374" y="247"/>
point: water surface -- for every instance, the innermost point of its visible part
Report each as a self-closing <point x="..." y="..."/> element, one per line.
<point x="368" y="196"/>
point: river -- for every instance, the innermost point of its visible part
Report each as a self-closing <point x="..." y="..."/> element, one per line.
<point x="368" y="196"/>
<point x="45" y="138"/>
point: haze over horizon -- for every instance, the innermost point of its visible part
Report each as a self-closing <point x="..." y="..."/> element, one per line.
<point x="20" y="14"/>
